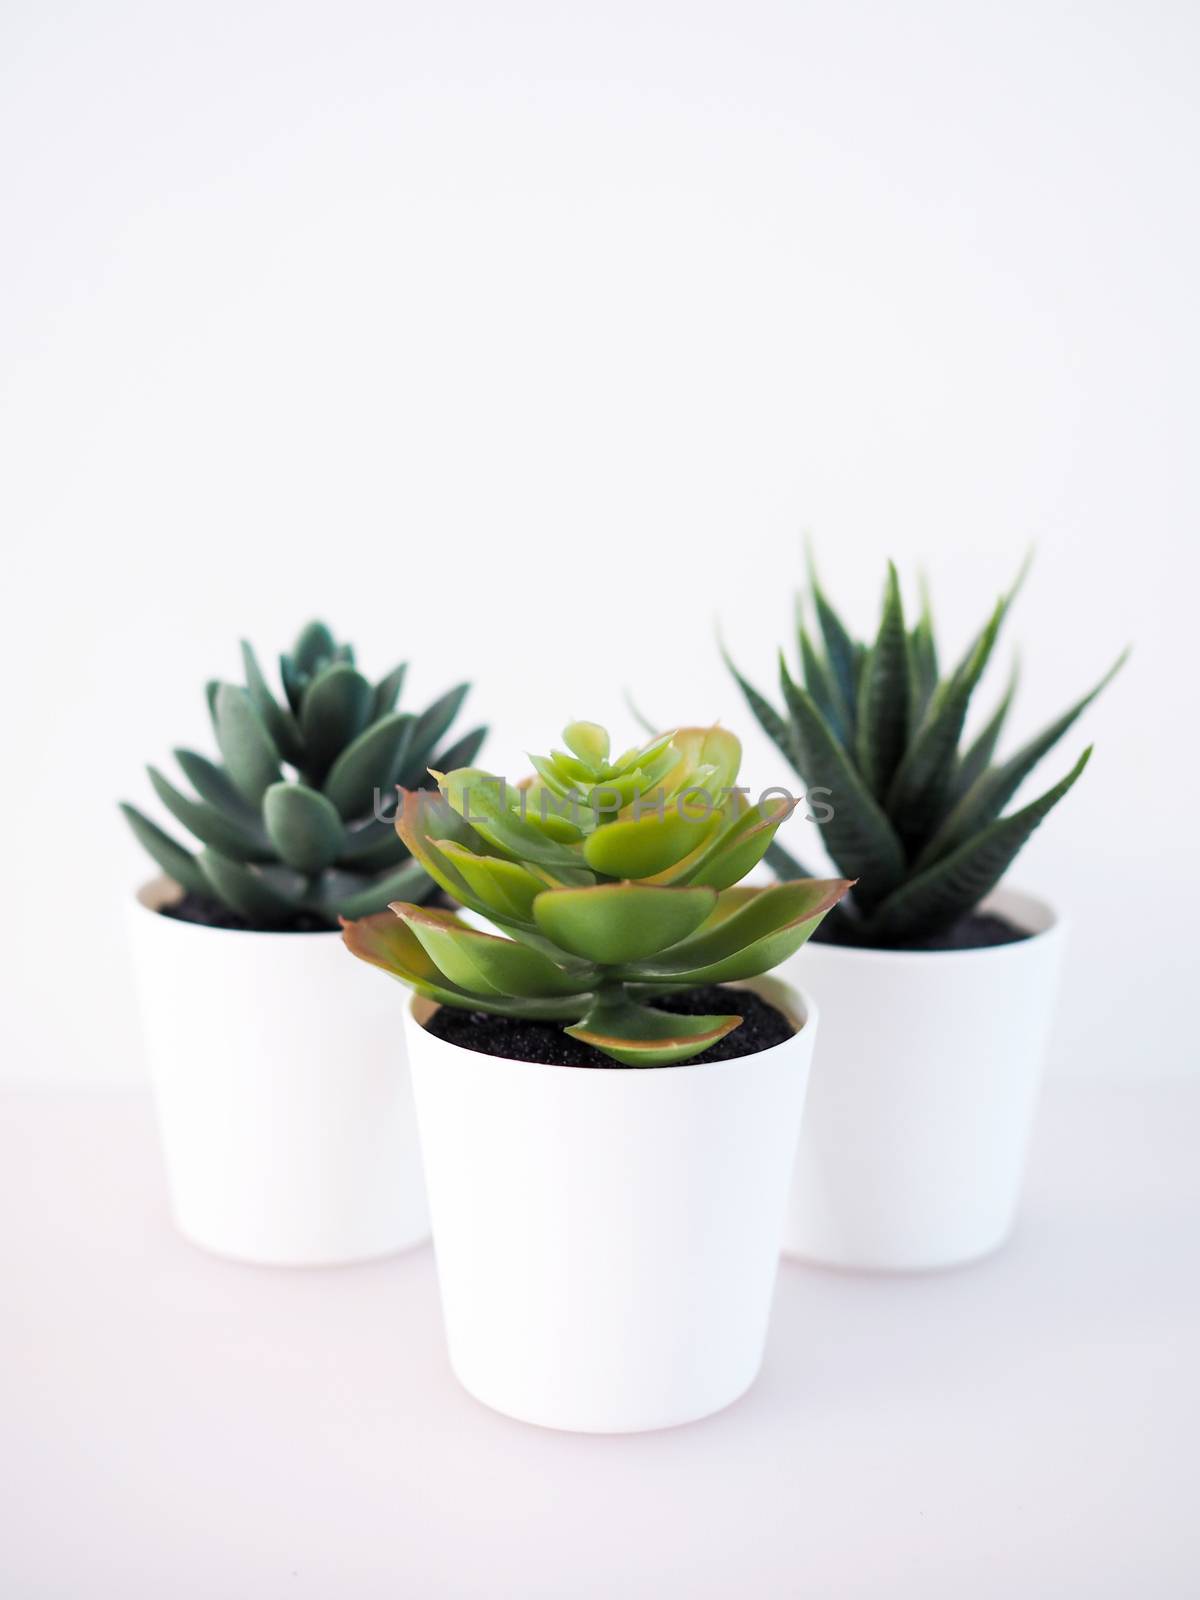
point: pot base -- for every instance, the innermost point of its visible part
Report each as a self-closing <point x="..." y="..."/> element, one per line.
<point x="611" y="1423"/>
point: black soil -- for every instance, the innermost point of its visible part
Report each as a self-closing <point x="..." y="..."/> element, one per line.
<point x="211" y="913"/>
<point x="520" y="1040"/>
<point x="975" y="932"/>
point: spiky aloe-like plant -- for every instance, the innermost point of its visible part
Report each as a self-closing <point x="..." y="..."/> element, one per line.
<point x="916" y="818"/>
<point x="611" y="882"/>
<point x="276" y="846"/>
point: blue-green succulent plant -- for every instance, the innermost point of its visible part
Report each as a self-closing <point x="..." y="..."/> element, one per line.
<point x="296" y="819"/>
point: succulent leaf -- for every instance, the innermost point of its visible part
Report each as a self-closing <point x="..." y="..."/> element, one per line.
<point x="248" y="892"/>
<point x="645" y="846"/>
<point x="764" y="928"/>
<point x="884" y="692"/>
<point x="314" y="647"/>
<point x="280" y="722"/>
<point x="389" y="943"/>
<point x="369" y="765"/>
<point x="918" y="792"/>
<point x="615" y="923"/>
<point x="336" y="706"/>
<point x="342" y="895"/>
<point x="303" y="826"/>
<point x="936" y="898"/>
<point x="224" y="832"/>
<point x="992" y="791"/>
<point x="178" y="864"/>
<point x="978" y="756"/>
<point x="641" y="1036"/>
<point x="779" y="730"/>
<point x="842" y="654"/>
<point x="589" y="741"/>
<point x="485" y="965"/>
<point x="212" y="783"/>
<point x="387" y="692"/>
<point x="462" y="753"/>
<point x="858" y="835"/>
<point x="431" y="728"/>
<point x="247" y="749"/>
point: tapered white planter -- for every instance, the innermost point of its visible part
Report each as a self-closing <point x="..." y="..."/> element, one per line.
<point x="607" y="1239"/>
<point x="918" y="1119"/>
<point x="282" y="1090"/>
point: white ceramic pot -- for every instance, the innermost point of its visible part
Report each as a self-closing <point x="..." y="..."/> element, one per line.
<point x="607" y="1239"/>
<point x="282" y="1090"/>
<point x="918" y="1120"/>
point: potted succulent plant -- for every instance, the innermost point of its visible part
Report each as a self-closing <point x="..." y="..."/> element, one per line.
<point x="285" y="1109"/>
<point x="937" y="987"/>
<point x="608" y="1136"/>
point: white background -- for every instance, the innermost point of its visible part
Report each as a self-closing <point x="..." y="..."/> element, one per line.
<point x="523" y="342"/>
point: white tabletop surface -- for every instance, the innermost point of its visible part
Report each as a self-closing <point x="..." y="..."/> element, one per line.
<point x="176" y="1426"/>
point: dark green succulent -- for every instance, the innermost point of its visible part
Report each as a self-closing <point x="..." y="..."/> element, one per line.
<point x="321" y="843"/>
<point x="917" y="818"/>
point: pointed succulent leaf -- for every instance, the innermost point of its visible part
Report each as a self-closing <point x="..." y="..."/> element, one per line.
<point x="883" y="695"/>
<point x="858" y="835"/>
<point x="936" y="898"/>
<point x="840" y="650"/>
<point x="387" y="691"/>
<point x="369" y="765"/>
<point x="364" y="896"/>
<point x="497" y="885"/>
<point x="432" y="726"/>
<point x="989" y="795"/>
<point x="178" y="864"/>
<point x="387" y="942"/>
<point x="248" y="892"/>
<point x="247" y="749"/>
<point x="372" y="847"/>
<point x="642" y="1036"/>
<point x="213" y="783"/>
<point x="820" y="683"/>
<point x="304" y="826"/>
<point x="280" y="722"/>
<point x="918" y="792"/>
<point x="766" y="928"/>
<point x="977" y="758"/>
<point x="776" y="728"/>
<point x="483" y="964"/>
<point x="739" y="847"/>
<point x="336" y="706"/>
<point x="313" y="648"/>
<point x="462" y="753"/>
<point x="294" y="682"/>
<point x="241" y="840"/>
<point x="616" y="922"/>
<point x="424" y="822"/>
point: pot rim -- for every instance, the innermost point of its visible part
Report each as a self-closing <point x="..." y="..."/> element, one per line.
<point x="164" y="891"/>
<point x="1052" y="925"/>
<point x="796" y="1004"/>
